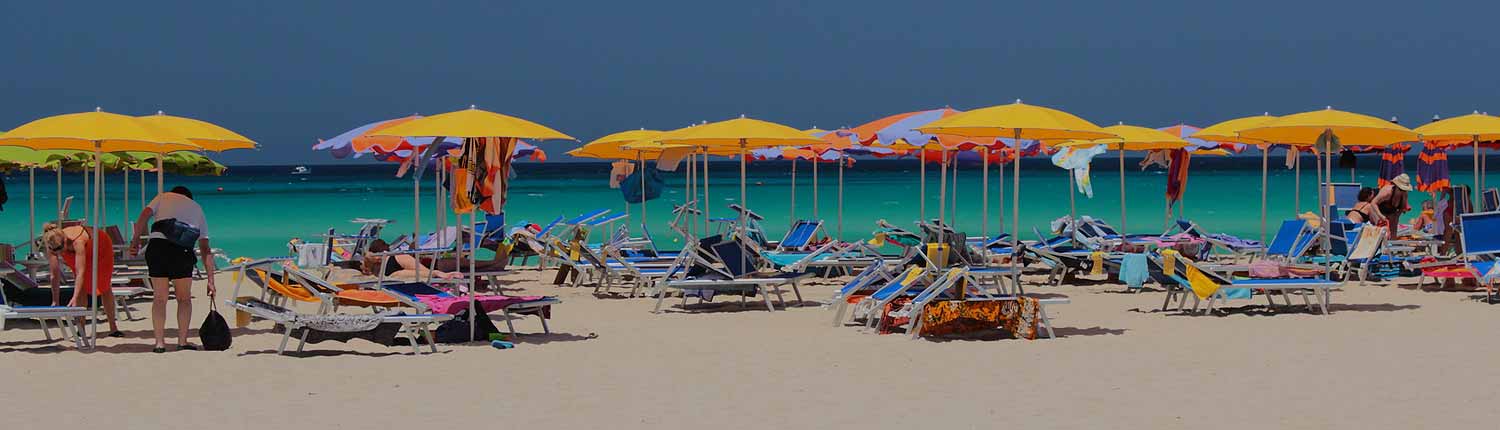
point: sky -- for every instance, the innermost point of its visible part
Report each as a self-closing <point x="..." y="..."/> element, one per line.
<point x="288" y="73"/>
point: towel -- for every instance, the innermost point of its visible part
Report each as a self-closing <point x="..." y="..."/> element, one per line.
<point x="1076" y="160"/>
<point x="1201" y="285"/>
<point x="1134" y="271"/>
<point x="1169" y="261"/>
<point x="1097" y="258"/>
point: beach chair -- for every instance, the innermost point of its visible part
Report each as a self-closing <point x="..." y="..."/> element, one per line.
<point x="62" y="315"/>
<point x="863" y="283"/>
<point x="959" y="279"/>
<point x="803" y="235"/>
<point x="423" y="297"/>
<point x="1234" y="245"/>
<point x="411" y="327"/>
<point x="1491" y="200"/>
<point x="1292" y="240"/>
<point x="1223" y="287"/>
<point x="735" y="273"/>
<point x="1480" y="236"/>
<point x="908" y="283"/>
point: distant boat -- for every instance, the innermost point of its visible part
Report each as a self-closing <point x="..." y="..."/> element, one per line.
<point x="301" y="170"/>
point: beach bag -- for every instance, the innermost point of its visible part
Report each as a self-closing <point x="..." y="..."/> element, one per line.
<point x="214" y="333"/>
<point x="456" y="330"/>
<point x="178" y="232"/>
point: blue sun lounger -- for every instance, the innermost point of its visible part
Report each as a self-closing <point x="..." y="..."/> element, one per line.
<point x="800" y="236"/>
<point x="1480" y="236"/>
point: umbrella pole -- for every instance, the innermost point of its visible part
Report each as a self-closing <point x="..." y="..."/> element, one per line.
<point x="1072" y="195"/>
<point x="125" y="197"/>
<point x="1001" y="180"/>
<point x="1015" y="217"/>
<point x="641" y="158"/>
<point x="31" y="225"/>
<point x="922" y="195"/>
<point x="416" y="205"/>
<point x="706" y="204"/>
<point x="1296" y="180"/>
<point x="792" y="218"/>
<point x="142" y="188"/>
<point x="816" y="158"/>
<point x="984" y="194"/>
<point x="1474" y="196"/>
<point x="1265" y="158"/>
<point x="841" y="195"/>
<point x="743" y="203"/>
<point x="1124" y="228"/>
<point x="160" y="172"/>
<point x="943" y="186"/>
<point x="953" y="194"/>
<point x="473" y="283"/>
<point x="59" y="194"/>
<point x="93" y="281"/>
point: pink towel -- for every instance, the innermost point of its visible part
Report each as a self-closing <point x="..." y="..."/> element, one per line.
<point x="451" y="305"/>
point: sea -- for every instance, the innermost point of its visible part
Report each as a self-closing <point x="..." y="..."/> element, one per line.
<point x="253" y="211"/>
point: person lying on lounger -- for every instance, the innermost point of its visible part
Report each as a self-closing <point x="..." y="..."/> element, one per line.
<point x="399" y="265"/>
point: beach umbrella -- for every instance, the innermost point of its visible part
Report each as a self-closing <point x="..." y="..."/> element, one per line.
<point x="741" y="133"/>
<point x="1017" y="121"/>
<point x="477" y="127"/>
<point x="609" y="147"/>
<point x="1475" y="127"/>
<point x="206" y="135"/>
<point x="1133" y="138"/>
<point x="1324" y="130"/>
<point x="1229" y="132"/>
<point x="900" y="132"/>
<point x="99" y="132"/>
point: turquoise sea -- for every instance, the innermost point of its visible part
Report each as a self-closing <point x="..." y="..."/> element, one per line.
<point x="254" y="210"/>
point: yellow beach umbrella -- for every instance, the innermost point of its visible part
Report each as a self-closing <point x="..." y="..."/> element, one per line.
<point x="1229" y="131"/>
<point x="1016" y="121"/>
<point x="1323" y="129"/>
<point x="207" y="135"/>
<point x="740" y="134"/>
<point x="1474" y="127"/>
<point x="98" y="132"/>
<point x="471" y="123"/>
<point x="1306" y="128"/>
<point x="1132" y="138"/>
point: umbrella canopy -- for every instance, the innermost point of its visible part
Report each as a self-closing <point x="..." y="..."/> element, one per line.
<point x="1134" y="138"/>
<point x="901" y="128"/>
<point x="1229" y="131"/>
<point x="341" y="146"/>
<point x="176" y="163"/>
<point x="23" y="157"/>
<point x="1352" y="128"/>
<point x="1029" y="121"/>
<point x="611" y="146"/>
<point x="473" y="122"/>
<point x="1475" y="126"/>
<point x="97" y="130"/>
<point x="205" y="134"/>
<point x="737" y="133"/>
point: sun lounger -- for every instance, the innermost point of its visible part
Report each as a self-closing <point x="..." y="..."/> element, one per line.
<point x="1480" y="236"/>
<point x="63" y="315"/>
<point x="867" y="281"/>
<point x="425" y="298"/>
<point x="735" y="272"/>
<point x="802" y="236"/>
<point x="943" y="289"/>
<point x="908" y="283"/>
<point x="1318" y="288"/>
<point x="411" y="327"/>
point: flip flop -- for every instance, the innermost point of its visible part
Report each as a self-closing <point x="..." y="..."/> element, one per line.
<point x="115" y="333"/>
<point x="159" y="349"/>
<point x="500" y="344"/>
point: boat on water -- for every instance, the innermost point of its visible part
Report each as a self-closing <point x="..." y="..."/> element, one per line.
<point x="301" y="170"/>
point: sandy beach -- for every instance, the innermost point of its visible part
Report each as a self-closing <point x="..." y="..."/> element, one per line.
<point x="1388" y="357"/>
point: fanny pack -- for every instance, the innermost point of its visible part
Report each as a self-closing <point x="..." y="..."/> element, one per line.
<point x="178" y="232"/>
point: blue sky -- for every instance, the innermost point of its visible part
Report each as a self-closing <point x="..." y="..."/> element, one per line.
<point x="287" y="73"/>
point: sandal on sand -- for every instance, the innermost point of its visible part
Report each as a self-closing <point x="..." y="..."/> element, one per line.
<point x="116" y="333"/>
<point x="187" y="347"/>
<point x="159" y="349"/>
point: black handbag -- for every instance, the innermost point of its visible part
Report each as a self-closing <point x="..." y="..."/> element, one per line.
<point x="178" y="232"/>
<point x="456" y="330"/>
<point x="214" y="333"/>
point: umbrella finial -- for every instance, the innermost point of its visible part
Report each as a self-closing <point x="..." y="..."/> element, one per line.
<point x="1395" y="119"/>
<point x="1266" y="113"/>
<point x="1329" y="107"/>
<point x="98" y="109"/>
<point x="472" y="107"/>
<point x="742" y="116"/>
<point x="1436" y="117"/>
<point x="1018" y="101"/>
<point x="159" y="112"/>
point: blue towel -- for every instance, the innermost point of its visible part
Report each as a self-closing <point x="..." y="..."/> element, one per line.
<point x="1133" y="270"/>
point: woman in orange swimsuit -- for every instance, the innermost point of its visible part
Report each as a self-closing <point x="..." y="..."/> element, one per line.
<point x="70" y="246"/>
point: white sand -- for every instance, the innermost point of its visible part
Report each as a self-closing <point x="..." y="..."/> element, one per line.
<point x="1388" y="357"/>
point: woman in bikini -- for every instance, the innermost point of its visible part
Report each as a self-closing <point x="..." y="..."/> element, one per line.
<point x="1363" y="211"/>
<point x="399" y="265"/>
